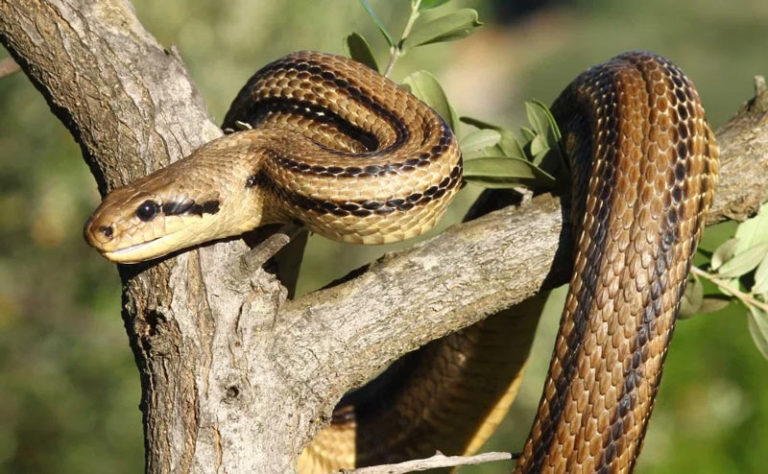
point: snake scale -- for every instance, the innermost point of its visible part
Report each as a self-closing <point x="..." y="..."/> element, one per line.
<point x="358" y="159"/>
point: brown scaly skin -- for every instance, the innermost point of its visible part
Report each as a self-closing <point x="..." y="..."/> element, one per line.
<point x="639" y="144"/>
<point x="358" y="159"/>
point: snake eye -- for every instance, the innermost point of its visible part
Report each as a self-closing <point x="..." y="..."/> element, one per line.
<point x="147" y="210"/>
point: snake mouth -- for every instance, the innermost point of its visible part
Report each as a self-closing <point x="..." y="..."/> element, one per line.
<point x="139" y="252"/>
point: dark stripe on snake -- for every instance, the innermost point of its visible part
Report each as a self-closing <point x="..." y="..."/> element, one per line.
<point x="358" y="208"/>
<point x="665" y="258"/>
<point x="606" y="190"/>
<point x="174" y="208"/>
<point x="653" y="308"/>
<point x="422" y="159"/>
<point x="347" y="87"/>
<point x="262" y="110"/>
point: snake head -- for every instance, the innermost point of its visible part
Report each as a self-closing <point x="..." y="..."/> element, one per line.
<point x="200" y="198"/>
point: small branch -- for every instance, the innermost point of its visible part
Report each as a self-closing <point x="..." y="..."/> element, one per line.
<point x="761" y="94"/>
<point x="745" y="298"/>
<point x="256" y="257"/>
<point x="434" y="462"/>
<point x="396" y="51"/>
<point x="409" y="25"/>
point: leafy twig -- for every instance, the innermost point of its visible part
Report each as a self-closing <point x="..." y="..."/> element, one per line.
<point x="378" y="22"/>
<point x="396" y="50"/>
<point x="745" y="298"/>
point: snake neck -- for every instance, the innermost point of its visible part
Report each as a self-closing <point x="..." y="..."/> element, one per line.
<point x="203" y="197"/>
<point x="644" y="163"/>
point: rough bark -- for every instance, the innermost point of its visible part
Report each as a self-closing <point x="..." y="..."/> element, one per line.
<point x="234" y="377"/>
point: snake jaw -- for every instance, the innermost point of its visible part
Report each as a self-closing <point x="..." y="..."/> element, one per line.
<point x="134" y="242"/>
<point x="178" y="207"/>
<point x="139" y="252"/>
<point x="128" y="238"/>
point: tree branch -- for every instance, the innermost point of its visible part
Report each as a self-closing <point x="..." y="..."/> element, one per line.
<point x="233" y="379"/>
<point x="478" y="268"/>
<point x="435" y="462"/>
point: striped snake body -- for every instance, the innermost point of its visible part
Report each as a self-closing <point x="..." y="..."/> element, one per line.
<point x="358" y="159"/>
<point x="644" y="165"/>
<point x="336" y="146"/>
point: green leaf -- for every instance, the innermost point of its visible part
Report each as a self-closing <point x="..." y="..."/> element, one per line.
<point x="427" y="4"/>
<point x="424" y="86"/>
<point x="761" y="278"/>
<point x="540" y="145"/>
<point x="753" y="231"/>
<point x="478" y="140"/>
<point x="528" y="134"/>
<point x="504" y="172"/>
<point x="539" y="148"/>
<point x="453" y="26"/>
<point x="379" y="24"/>
<point x="723" y="253"/>
<point x="359" y="50"/>
<point x="692" y="298"/>
<point x="713" y="303"/>
<point x="744" y="262"/>
<point x="543" y="122"/>
<point x="509" y="144"/>
<point x="716" y="234"/>
<point x="545" y="146"/>
<point x="481" y="124"/>
<point x="758" y="328"/>
<point x="730" y="284"/>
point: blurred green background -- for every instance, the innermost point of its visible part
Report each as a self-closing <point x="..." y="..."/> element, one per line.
<point x="69" y="390"/>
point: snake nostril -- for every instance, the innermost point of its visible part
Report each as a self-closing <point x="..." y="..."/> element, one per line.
<point x="107" y="230"/>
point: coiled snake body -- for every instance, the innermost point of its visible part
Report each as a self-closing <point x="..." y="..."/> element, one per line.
<point x="358" y="159"/>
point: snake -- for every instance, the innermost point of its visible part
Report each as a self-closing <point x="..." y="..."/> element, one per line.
<point x="324" y="141"/>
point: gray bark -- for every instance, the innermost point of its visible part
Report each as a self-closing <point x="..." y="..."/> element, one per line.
<point x="234" y="377"/>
